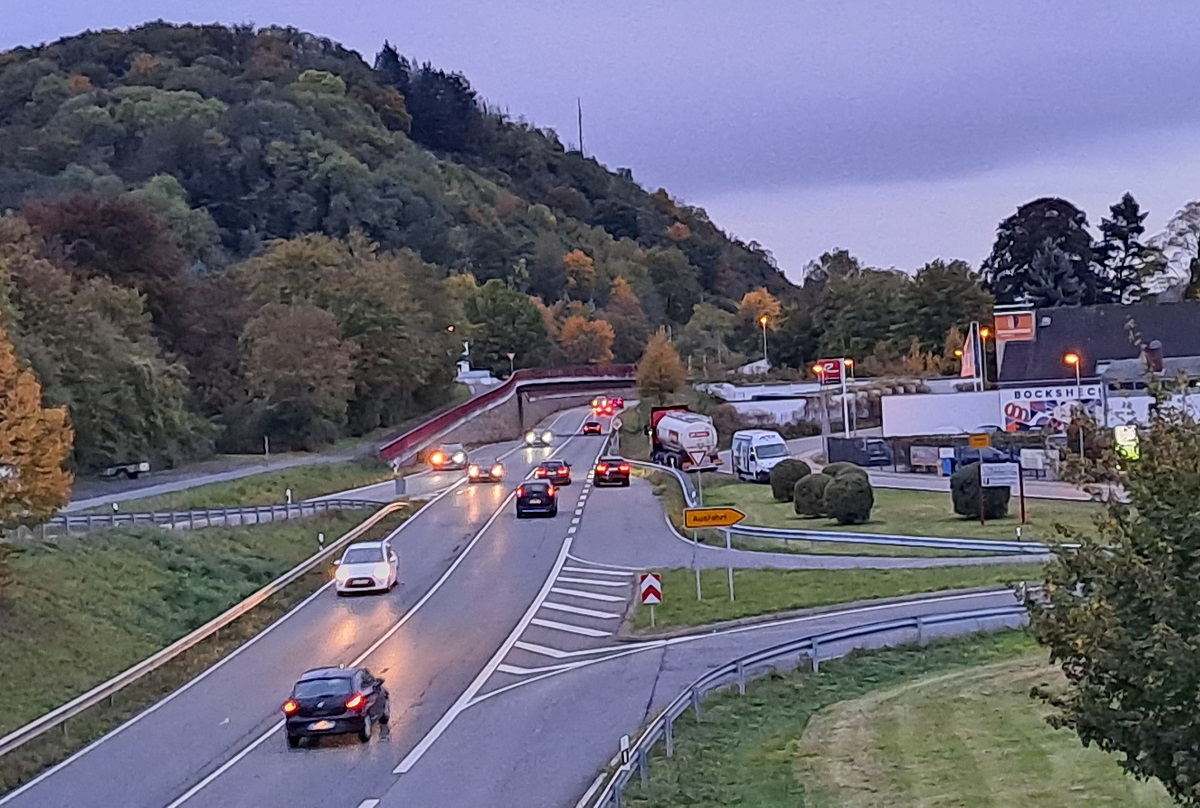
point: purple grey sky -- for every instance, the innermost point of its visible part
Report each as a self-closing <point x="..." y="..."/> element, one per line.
<point x="902" y="131"/>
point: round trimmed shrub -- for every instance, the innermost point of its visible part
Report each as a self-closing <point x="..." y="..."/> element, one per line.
<point x="842" y="467"/>
<point x="849" y="499"/>
<point x="965" y="492"/>
<point x="808" y="497"/>
<point x="784" y="477"/>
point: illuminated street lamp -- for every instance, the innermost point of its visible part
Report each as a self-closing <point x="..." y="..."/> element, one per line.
<point x="763" y="322"/>
<point x="1072" y="359"/>
<point x="984" y="333"/>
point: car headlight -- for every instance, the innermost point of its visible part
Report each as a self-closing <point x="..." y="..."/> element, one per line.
<point x="497" y="470"/>
<point x="342" y="574"/>
<point x="437" y="458"/>
<point x="459" y="457"/>
<point x="530" y="438"/>
<point x="380" y="570"/>
<point x="473" y="471"/>
<point x="547" y="436"/>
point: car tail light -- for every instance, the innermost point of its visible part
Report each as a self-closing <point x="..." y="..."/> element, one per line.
<point x="356" y="702"/>
<point x="603" y="467"/>
<point x="561" y="472"/>
<point x="540" y="473"/>
<point x="623" y="467"/>
<point x="551" y="490"/>
<point x="520" y="490"/>
<point x="290" y="707"/>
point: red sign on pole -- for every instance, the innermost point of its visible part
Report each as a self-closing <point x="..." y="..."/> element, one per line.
<point x="651" y="588"/>
<point x="829" y="371"/>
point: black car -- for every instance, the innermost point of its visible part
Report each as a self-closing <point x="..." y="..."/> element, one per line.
<point x="537" y="497"/>
<point x="556" y="471"/>
<point x="612" y="471"/>
<point x="591" y="428"/>
<point x="335" y="701"/>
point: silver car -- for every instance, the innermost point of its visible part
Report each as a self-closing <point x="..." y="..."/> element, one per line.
<point x="366" y="567"/>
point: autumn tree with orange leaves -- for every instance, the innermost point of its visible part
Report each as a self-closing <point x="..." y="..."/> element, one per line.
<point x="586" y="342"/>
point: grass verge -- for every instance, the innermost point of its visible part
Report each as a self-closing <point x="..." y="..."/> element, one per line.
<point x="902" y="726"/>
<point x="268" y="488"/>
<point x="83" y="611"/>
<point x="913" y="513"/>
<point x="759" y="592"/>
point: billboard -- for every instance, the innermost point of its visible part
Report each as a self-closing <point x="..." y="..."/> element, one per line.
<point x="829" y="371"/>
<point x="1015" y="327"/>
<point x="1031" y="409"/>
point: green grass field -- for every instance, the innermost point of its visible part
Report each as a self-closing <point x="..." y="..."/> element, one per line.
<point x="82" y="611"/>
<point x="915" y="513"/>
<point x="758" y="592"/>
<point x="899" y="727"/>
<point x="268" y="488"/>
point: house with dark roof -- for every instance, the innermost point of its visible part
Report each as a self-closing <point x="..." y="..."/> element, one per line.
<point x="1099" y="336"/>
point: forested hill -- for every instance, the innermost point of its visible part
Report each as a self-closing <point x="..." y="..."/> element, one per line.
<point x="303" y="228"/>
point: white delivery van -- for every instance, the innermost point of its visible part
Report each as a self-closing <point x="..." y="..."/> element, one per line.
<point x="756" y="452"/>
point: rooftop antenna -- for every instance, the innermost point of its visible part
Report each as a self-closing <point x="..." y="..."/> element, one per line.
<point x="579" y="109"/>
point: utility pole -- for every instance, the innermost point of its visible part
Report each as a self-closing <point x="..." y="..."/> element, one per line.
<point x="579" y="110"/>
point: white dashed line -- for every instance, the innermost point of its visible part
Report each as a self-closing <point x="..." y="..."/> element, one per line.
<point x="575" y="521"/>
<point x="592" y="583"/>
<point x="571" y="531"/>
<point x="368" y="804"/>
<point x="579" y="610"/>
<point x="580" y="630"/>
<point x="579" y="593"/>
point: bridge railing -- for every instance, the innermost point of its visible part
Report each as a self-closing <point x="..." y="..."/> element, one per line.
<point x="806" y="651"/>
<point x="417" y="437"/>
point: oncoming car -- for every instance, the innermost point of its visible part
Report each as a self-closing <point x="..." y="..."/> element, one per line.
<point x="485" y="473"/>
<point x="448" y="458"/>
<point x="366" y="567"/>
<point x="537" y="497"/>
<point x="556" y="471"/>
<point x="539" y="437"/>
<point x="591" y="428"/>
<point x="335" y="701"/>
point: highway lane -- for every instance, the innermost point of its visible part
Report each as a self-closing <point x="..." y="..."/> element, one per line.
<point x="464" y="542"/>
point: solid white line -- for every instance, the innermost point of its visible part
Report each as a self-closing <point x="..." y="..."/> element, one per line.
<point x="563" y="607"/>
<point x="579" y="593"/>
<point x="202" y="676"/>
<point x="542" y="650"/>
<point x="590" y="582"/>
<point x="580" y="630"/>
<point x="516" y="670"/>
<point x="464" y="700"/>
<point x="589" y="571"/>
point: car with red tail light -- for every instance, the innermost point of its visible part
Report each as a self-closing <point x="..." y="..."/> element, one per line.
<point x="612" y="471"/>
<point x="335" y="701"/>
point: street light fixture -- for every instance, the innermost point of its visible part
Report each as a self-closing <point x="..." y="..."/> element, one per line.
<point x="763" y="322"/>
<point x="1073" y="360"/>
<point x="984" y="333"/>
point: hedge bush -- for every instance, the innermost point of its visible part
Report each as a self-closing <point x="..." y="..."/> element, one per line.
<point x="784" y="477"/>
<point x="965" y="492"/>
<point x="808" y="497"/>
<point x="849" y="499"/>
<point x="842" y="467"/>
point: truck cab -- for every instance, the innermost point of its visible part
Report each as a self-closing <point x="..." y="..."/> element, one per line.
<point x="757" y="451"/>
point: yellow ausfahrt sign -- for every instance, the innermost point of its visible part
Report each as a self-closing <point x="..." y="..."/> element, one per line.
<point x="711" y="517"/>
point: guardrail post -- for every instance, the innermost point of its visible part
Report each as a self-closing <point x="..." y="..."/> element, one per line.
<point x="669" y="735"/>
<point x="89" y="523"/>
<point x="920" y="630"/>
<point x="643" y="769"/>
<point x="225" y="516"/>
<point x="192" y="520"/>
<point x="696" y="702"/>
<point x="741" y="678"/>
<point x="618" y="798"/>
<point x="816" y="657"/>
<point x="172" y="520"/>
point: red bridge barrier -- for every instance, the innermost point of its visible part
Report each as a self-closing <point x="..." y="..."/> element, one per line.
<point x="416" y="437"/>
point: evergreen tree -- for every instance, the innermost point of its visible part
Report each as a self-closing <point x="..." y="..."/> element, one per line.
<point x="1121" y="259"/>
<point x="1041" y="226"/>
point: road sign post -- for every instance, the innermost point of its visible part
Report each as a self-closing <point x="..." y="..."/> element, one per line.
<point x="650" y="587"/>
<point x="729" y="560"/>
<point x="999" y="475"/>
<point x="980" y="441"/>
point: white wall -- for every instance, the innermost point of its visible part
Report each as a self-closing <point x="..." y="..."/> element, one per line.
<point x="939" y="413"/>
<point x="780" y="412"/>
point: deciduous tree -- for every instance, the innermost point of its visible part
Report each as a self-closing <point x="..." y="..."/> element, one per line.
<point x="630" y="326"/>
<point x="585" y="342"/>
<point x="1037" y="228"/>
<point x="504" y="320"/>
<point x="660" y="372"/>
<point x="35" y="444"/>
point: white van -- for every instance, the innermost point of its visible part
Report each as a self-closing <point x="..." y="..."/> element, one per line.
<point x="756" y="452"/>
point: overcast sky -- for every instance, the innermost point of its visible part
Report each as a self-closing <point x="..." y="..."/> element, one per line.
<point x="902" y="131"/>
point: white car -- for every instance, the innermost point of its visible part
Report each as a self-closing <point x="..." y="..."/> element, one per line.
<point x="367" y="567"/>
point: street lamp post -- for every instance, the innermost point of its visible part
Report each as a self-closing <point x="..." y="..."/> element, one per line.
<point x="854" y="409"/>
<point x="763" y="322"/>
<point x="819" y="371"/>
<point x="984" y="333"/>
<point x="511" y="366"/>
<point x="1072" y="359"/>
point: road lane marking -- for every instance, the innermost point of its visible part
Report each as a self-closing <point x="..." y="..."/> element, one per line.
<point x="579" y="610"/>
<point x="387" y="635"/>
<point x="604" y="566"/>
<point x="590" y="582"/>
<point x="468" y="695"/>
<point x="368" y="804"/>
<point x="580" y="630"/>
<point x="586" y="571"/>
<point x="579" y="593"/>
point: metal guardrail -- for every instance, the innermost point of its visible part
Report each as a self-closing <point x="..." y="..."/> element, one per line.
<point x="999" y="546"/>
<point x="200" y="518"/>
<point x="59" y="716"/>
<point x="738" y="671"/>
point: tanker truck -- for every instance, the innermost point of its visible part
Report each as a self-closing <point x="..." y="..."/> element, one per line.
<point x="682" y="438"/>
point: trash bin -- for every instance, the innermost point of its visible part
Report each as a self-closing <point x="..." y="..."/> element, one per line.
<point x="947" y="466"/>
